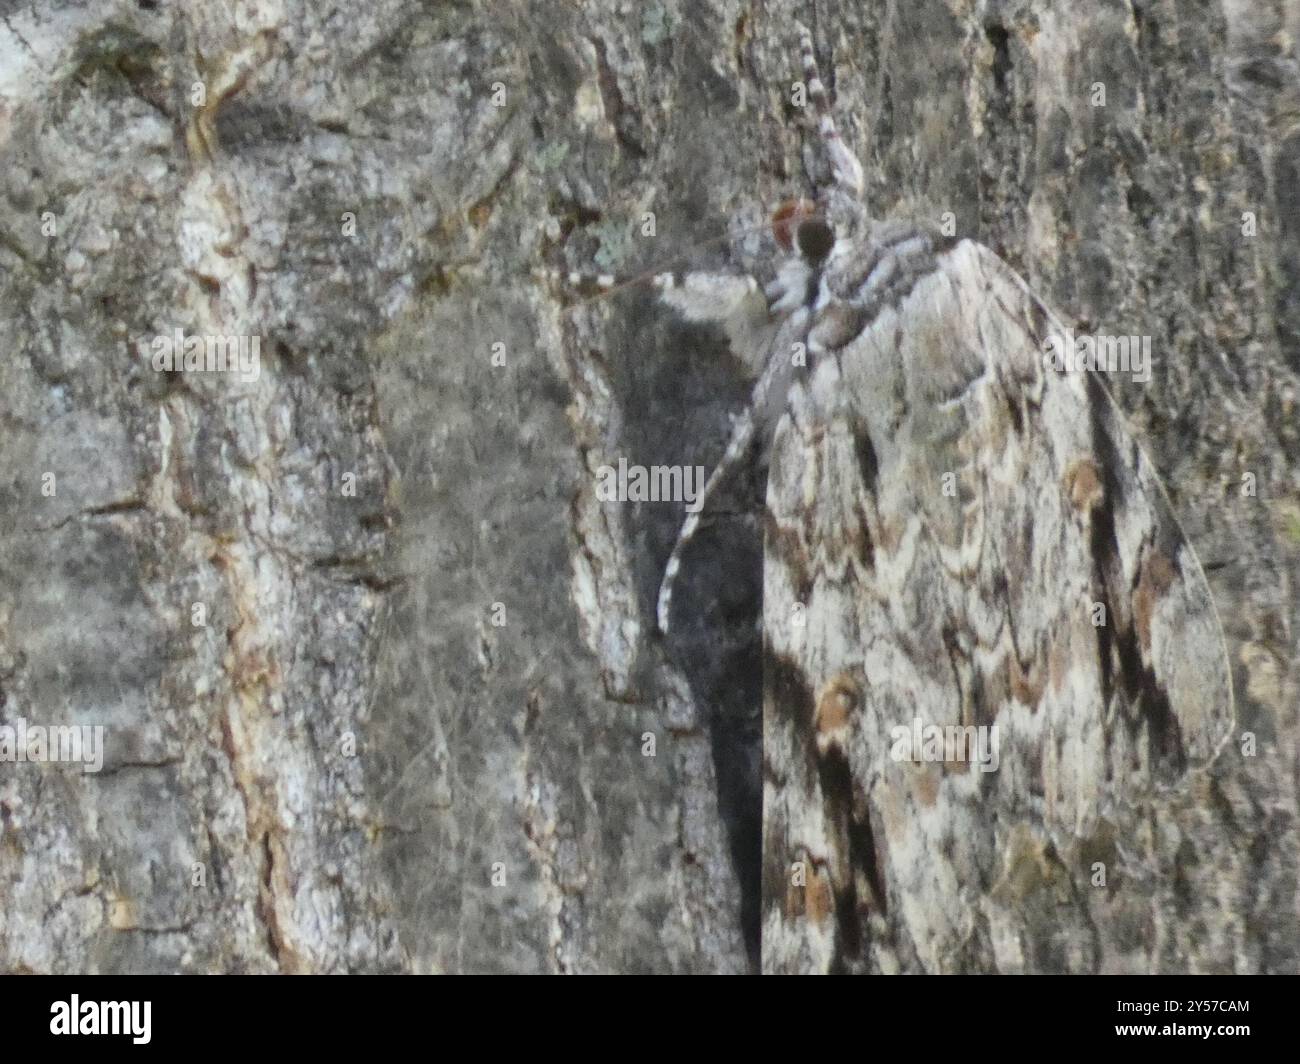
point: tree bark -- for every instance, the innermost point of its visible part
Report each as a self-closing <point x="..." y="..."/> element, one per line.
<point x="375" y="666"/>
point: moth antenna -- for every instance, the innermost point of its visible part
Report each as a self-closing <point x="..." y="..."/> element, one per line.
<point x="845" y="167"/>
<point x="589" y="286"/>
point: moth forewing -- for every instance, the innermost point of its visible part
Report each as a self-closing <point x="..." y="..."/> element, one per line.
<point x="1173" y="634"/>
<point x="946" y="513"/>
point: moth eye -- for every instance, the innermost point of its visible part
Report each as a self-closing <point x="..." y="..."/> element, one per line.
<point x="815" y="239"/>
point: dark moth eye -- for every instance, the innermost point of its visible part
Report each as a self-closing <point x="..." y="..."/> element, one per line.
<point x="815" y="239"/>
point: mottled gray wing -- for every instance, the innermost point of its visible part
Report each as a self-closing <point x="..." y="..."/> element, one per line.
<point x="959" y="535"/>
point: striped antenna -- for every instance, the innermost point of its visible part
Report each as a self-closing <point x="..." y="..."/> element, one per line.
<point x="845" y="167"/>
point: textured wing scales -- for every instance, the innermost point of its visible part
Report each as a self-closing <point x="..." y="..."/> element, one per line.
<point x="948" y="518"/>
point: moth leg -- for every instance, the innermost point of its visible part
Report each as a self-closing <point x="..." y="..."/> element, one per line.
<point x="582" y="286"/>
<point x="845" y="167"/>
<point x="765" y="405"/>
<point x="742" y="436"/>
<point x="788" y="293"/>
<point x="744" y="311"/>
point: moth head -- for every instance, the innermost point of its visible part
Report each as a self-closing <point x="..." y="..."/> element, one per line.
<point x="801" y="228"/>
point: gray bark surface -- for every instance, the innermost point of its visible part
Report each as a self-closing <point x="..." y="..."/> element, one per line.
<point x="411" y="734"/>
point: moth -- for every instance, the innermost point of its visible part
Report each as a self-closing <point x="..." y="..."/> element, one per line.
<point x="987" y="644"/>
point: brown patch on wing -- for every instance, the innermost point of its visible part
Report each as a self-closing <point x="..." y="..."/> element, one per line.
<point x="839" y="700"/>
<point x="818" y="896"/>
<point x="1155" y="577"/>
<point x="1026" y="686"/>
<point x="1083" y="485"/>
<point x="787" y="546"/>
<point x="837" y="325"/>
<point x="794" y="899"/>
<point x="925" y="783"/>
